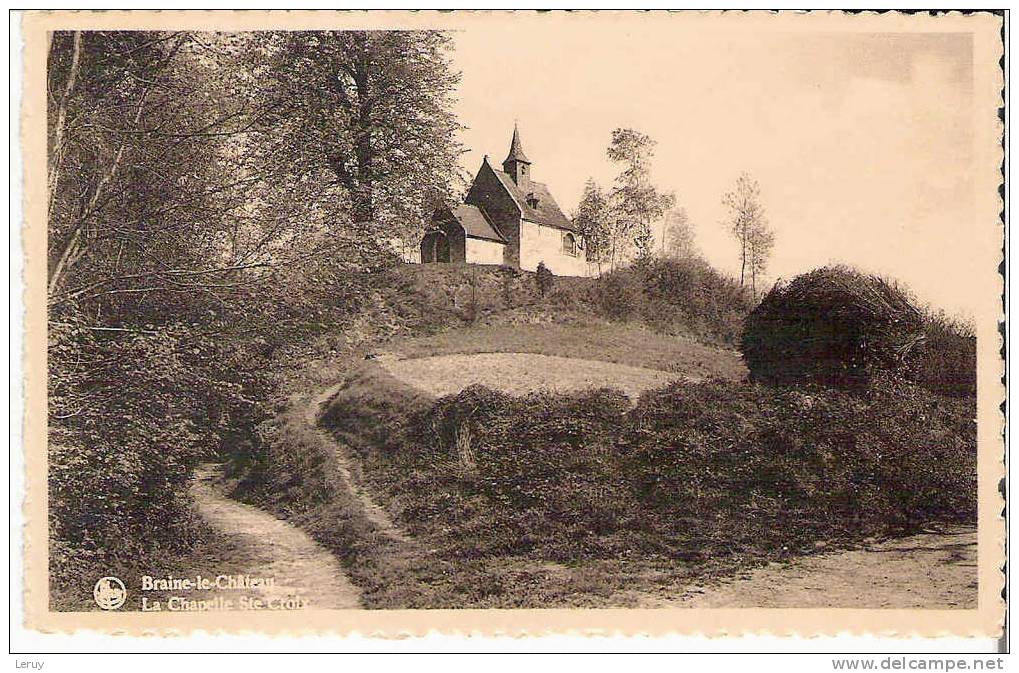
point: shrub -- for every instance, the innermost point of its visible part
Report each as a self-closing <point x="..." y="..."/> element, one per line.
<point x="946" y="361"/>
<point x="673" y="296"/>
<point x="122" y="446"/>
<point x="544" y="278"/>
<point x="618" y="296"/>
<point x="543" y="470"/>
<point x="372" y="409"/>
<point x="834" y="326"/>
<point x="704" y="302"/>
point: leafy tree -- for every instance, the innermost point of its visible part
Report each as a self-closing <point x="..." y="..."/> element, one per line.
<point x="679" y="235"/>
<point x="369" y="112"/>
<point x="635" y="200"/>
<point x="749" y="226"/>
<point x="760" y="253"/>
<point x="187" y="244"/>
<point x="149" y="205"/>
<point x="143" y="208"/>
<point x="593" y="220"/>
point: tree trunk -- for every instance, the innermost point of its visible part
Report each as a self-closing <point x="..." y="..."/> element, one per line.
<point x="73" y="248"/>
<point x="743" y="262"/>
<point x="364" y="210"/>
<point x="57" y="150"/>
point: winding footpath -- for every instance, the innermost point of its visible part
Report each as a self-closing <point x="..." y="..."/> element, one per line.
<point x="250" y="541"/>
<point x="266" y="547"/>
<point x="372" y="510"/>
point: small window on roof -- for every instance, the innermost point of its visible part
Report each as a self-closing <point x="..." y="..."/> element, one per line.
<point x="532" y="200"/>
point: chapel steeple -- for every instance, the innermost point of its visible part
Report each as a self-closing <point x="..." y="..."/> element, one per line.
<point x="517" y="165"/>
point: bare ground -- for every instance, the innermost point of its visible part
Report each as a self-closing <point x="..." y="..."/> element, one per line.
<point x="931" y="570"/>
<point x="256" y="543"/>
<point x="522" y="373"/>
<point x="612" y="342"/>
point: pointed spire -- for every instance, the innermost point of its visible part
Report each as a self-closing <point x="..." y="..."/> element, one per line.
<point x="516" y="152"/>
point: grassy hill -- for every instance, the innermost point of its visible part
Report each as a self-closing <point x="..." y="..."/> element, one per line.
<point x="588" y="497"/>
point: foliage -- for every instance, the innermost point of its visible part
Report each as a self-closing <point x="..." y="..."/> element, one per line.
<point x="635" y="201"/>
<point x="946" y="360"/>
<point x="544" y="278"/>
<point x="749" y="226"/>
<point x="834" y="326"/>
<point x="695" y="471"/>
<point x="672" y="296"/>
<point x="369" y="112"/>
<point x="120" y="450"/>
<point x="812" y="461"/>
<point x="593" y="221"/>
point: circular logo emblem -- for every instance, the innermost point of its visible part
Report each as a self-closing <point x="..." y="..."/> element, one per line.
<point x="109" y="593"/>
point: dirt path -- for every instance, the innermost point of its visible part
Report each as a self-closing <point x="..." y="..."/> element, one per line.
<point x="522" y="373"/>
<point x="255" y="543"/>
<point x="372" y="510"/>
<point x="930" y="570"/>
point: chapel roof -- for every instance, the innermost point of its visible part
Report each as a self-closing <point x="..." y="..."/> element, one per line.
<point x="475" y="224"/>
<point x="546" y="212"/>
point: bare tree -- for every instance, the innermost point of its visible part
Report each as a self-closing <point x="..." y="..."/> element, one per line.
<point x="679" y="236"/>
<point x="749" y="226"/>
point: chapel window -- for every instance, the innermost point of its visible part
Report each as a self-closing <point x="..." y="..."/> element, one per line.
<point x="569" y="244"/>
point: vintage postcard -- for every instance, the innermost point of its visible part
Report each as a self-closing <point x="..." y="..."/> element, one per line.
<point x="513" y="323"/>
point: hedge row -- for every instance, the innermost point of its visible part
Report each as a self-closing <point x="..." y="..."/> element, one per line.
<point x="694" y="470"/>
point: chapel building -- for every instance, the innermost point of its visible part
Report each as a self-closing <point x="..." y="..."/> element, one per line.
<point x="507" y="218"/>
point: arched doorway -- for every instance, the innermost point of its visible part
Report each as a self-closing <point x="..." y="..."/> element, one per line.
<point x="442" y="248"/>
<point x="435" y="247"/>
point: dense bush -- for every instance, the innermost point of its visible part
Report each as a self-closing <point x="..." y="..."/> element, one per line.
<point x="695" y="470"/>
<point x="673" y="296"/>
<point x="377" y="406"/>
<point x="834" y="326"/>
<point x="618" y="296"/>
<point x="946" y="360"/>
<point x="541" y="486"/>
<point x="787" y="466"/>
<point x="132" y="411"/>
<point x="424" y="298"/>
<point x="128" y="422"/>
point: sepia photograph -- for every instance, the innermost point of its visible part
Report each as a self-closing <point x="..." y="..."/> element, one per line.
<point x="497" y="312"/>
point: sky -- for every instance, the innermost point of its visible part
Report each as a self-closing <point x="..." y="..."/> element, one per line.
<point x="862" y="143"/>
